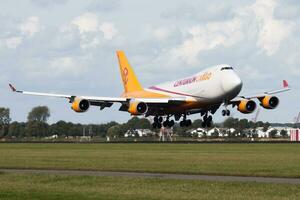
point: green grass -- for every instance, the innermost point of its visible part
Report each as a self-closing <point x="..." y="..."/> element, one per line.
<point x="48" y="187"/>
<point x="279" y="160"/>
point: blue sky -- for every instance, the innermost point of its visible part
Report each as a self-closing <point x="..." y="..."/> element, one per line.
<point x="69" y="47"/>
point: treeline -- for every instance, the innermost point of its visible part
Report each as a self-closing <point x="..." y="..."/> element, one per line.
<point x="37" y="126"/>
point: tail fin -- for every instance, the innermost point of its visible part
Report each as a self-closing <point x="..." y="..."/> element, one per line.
<point x="129" y="79"/>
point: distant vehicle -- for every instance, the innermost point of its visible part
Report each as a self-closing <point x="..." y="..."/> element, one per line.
<point x="204" y="93"/>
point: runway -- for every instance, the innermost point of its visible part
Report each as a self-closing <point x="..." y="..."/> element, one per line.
<point x="156" y="175"/>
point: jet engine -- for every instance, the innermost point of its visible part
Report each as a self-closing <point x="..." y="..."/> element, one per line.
<point x="137" y="108"/>
<point x="269" y="102"/>
<point x="246" y="106"/>
<point x="80" y="105"/>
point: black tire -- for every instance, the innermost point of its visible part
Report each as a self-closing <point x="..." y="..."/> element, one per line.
<point x="172" y="123"/>
<point x="158" y="126"/>
<point x="166" y="123"/>
<point x="224" y="112"/>
<point x="160" y="119"/>
<point x="228" y="113"/>
<point x="209" y="119"/>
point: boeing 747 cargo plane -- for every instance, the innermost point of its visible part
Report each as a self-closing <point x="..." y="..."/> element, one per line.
<point x="204" y="93"/>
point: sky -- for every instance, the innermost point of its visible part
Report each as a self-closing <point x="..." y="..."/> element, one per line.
<point x="69" y="47"/>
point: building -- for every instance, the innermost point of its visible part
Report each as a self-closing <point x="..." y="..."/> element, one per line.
<point x="295" y="135"/>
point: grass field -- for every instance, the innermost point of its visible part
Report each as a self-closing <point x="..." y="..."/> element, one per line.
<point x="48" y="187"/>
<point x="278" y="160"/>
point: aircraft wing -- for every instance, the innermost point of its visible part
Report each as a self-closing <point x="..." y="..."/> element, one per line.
<point x="285" y="88"/>
<point x="105" y="101"/>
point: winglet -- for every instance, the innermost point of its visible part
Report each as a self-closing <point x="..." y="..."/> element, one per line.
<point x="12" y="87"/>
<point x="285" y="84"/>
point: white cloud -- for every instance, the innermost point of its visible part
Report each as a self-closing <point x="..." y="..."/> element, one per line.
<point x="57" y="66"/>
<point x="87" y="22"/>
<point x="207" y="37"/>
<point x="251" y="22"/>
<point x="271" y="31"/>
<point x="63" y="65"/>
<point x="31" y="26"/>
<point x="13" y="42"/>
<point x="163" y="33"/>
<point x="91" y="30"/>
<point x="108" y="29"/>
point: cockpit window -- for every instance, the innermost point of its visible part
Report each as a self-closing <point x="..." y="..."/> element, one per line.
<point x="226" y="68"/>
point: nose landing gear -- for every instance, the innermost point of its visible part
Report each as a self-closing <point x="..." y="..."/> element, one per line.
<point x="226" y="112"/>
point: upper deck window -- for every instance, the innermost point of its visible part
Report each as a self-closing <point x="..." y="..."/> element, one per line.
<point x="226" y="68"/>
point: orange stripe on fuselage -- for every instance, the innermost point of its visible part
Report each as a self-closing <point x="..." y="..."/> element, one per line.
<point x="144" y="94"/>
<point x="187" y="105"/>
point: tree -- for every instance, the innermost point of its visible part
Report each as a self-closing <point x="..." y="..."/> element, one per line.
<point x="37" y="122"/>
<point x="230" y="123"/>
<point x="16" y="129"/>
<point x="4" y="121"/>
<point x="266" y="126"/>
<point x="36" y="129"/>
<point x="283" y="133"/>
<point x="197" y="123"/>
<point x="273" y="133"/>
<point x="116" y="131"/>
<point x="215" y="133"/>
<point x="39" y="113"/>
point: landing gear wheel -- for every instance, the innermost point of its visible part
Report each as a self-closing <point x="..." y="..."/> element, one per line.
<point x="171" y="123"/>
<point x="224" y="112"/>
<point x="209" y="119"/>
<point x="228" y="113"/>
<point x="158" y="126"/>
<point x="165" y="123"/>
<point x="160" y="119"/>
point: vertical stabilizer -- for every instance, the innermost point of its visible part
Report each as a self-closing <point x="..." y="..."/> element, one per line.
<point x="130" y="81"/>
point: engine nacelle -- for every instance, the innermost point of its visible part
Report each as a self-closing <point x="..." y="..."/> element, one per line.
<point x="80" y="105"/>
<point x="246" y="106"/>
<point x="137" y="108"/>
<point x="269" y="102"/>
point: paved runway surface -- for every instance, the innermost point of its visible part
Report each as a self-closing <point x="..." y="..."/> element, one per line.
<point x="156" y="175"/>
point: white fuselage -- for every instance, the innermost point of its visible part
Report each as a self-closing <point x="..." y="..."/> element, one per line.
<point x="210" y="86"/>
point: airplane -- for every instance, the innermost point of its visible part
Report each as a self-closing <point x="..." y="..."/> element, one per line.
<point x="204" y="93"/>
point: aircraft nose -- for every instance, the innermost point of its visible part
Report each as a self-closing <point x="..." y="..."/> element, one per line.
<point x="232" y="83"/>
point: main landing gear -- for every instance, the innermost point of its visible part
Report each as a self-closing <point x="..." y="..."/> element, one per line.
<point x="158" y="122"/>
<point x="185" y="122"/>
<point x="207" y="121"/>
